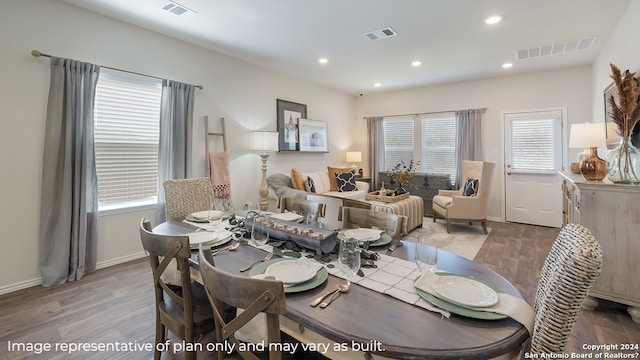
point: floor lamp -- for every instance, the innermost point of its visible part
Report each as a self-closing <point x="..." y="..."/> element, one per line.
<point x="264" y="142"/>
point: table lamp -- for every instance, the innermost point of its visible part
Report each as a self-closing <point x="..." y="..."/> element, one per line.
<point x="590" y="136"/>
<point x="353" y="157"/>
<point x="264" y="142"/>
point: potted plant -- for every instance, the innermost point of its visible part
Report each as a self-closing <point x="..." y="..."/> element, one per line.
<point x="401" y="173"/>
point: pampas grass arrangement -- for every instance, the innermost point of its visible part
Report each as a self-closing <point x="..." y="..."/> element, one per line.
<point x="625" y="115"/>
<point x="622" y="161"/>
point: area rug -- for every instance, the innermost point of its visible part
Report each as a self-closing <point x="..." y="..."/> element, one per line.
<point x="464" y="240"/>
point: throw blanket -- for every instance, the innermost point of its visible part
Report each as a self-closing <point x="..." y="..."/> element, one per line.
<point x="220" y="180"/>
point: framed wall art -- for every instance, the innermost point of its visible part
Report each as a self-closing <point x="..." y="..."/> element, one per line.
<point x="289" y="115"/>
<point x="313" y="136"/>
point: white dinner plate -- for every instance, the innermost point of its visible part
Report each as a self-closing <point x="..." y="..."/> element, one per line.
<point x="205" y="214"/>
<point x="465" y="291"/>
<point x="363" y="234"/>
<point x="287" y="216"/>
<point x="291" y="271"/>
<point x="202" y="237"/>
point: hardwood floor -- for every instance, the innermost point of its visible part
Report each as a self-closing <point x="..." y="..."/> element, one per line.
<point x="116" y="304"/>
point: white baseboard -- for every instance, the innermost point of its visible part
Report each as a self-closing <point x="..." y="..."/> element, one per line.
<point x="19" y="286"/>
<point x="120" y="260"/>
<point x="101" y="265"/>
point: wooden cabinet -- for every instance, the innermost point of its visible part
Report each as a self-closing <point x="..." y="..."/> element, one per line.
<point x="612" y="213"/>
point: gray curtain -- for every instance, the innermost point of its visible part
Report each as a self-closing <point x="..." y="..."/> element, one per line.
<point x="69" y="191"/>
<point x="469" y="138"/>
<point x="375" y="133"/>
<point x="176" y="124"/>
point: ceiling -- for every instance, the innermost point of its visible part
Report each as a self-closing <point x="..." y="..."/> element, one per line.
<point x="449" y="37"/>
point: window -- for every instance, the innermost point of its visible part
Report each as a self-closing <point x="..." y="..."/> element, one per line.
<point x="439" y="132"/>
<point x="127" y="115"/>
<point x="534" y="141"/>
<point x="430" y="138"/>
<point x="398" y="141"/>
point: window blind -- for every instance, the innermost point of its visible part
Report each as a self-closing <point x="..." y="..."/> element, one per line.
<point x="398" y="141"/>
<point x="532" y="144"/>
<point x="127" y="113"/>
<point x="439" y="144"/>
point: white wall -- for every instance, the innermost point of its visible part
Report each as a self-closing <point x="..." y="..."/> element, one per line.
<point x="559" y="88"/>
<point x="242" y="93"/>
<point x="621" y="50"/>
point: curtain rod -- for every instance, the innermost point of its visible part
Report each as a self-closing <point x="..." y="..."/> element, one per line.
<point x="484" y="109"/>
<point x="37" y="53"/>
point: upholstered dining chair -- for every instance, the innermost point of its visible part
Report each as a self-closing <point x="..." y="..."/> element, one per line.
<point x="469" y="203"/>
<point x="392" y="224"/>
<point x="183" y="310"/>
<point x="255" y="296"/>
<point x="569" y="271"/>
<point x="186" y="196"/>
<point x="302" y="206"/>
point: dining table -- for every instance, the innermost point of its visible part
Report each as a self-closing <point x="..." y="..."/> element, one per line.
<point x="365" y="324"/>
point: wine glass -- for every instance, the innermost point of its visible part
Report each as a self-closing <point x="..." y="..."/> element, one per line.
<point x="426" y="254"/>
<point x="215" y="212"/>
<point x="259" y="231"/>
<point x="349" y="256"/>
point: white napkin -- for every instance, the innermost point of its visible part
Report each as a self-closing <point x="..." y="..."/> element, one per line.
<point x="509" y="305"/>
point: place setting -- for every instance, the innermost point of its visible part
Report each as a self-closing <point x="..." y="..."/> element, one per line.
<point x="366" y="237"/>
<point x="465" y="295"/>
<point x="297" y="274"/>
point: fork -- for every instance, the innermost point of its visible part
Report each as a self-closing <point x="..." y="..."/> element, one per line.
<point x="266" y="258"/>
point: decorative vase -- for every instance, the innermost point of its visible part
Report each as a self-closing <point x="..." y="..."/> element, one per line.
<point x="623" y="163"/>
<point x="400" y="190"/>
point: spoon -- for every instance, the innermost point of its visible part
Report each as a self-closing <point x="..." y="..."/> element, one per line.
<point x="319" y="299"/>
<point x="342" y="287"/>
<point x="226" y="248"/>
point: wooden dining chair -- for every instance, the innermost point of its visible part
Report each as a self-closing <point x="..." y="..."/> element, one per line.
<point x="183" y="310"/>
<point x="186" y="196"/>
<point x="392" y="224"/>
<point x="255" y="296"/>
<point x="302" y="206"/>
<point x="570" y="269"/>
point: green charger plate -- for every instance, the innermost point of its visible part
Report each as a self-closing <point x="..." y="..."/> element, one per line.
<point x="382" y="241"/>
<point x="461" y="310"/>
<point x="319" y="279"/>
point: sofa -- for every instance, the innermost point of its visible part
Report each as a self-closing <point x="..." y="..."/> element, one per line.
<point x="421" y="184"/>
<point x="283" y="186"/>
<point x="413" y="207"/>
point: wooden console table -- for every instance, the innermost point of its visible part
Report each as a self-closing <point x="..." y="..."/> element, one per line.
<point x="612" y="213"/>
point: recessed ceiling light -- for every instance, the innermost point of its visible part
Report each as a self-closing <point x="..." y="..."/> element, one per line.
<point x="507" y="65"/>
<point x="416" y="63"/>
<point x="323" y="60"/>
<point x="377" y="84"/>
<point x="493" y="19"/>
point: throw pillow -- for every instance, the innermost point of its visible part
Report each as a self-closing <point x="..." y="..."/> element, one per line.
<point x="297" y="179"/>
<point x="470" y="187"/>
<point x="309" y="185"/>
<point x="332" y="176"/>
<point x="346" y="181"/>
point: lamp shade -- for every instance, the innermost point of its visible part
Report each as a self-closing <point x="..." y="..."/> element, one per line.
<point x="264" y="141"/>
<point x="587" y="135"/>
<point x="354" y="156"/>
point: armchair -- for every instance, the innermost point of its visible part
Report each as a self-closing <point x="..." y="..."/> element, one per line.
<point x="452" y="205"/>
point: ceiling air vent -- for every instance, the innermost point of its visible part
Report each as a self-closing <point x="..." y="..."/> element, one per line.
<point x="177" y="9"/>
<point x="381" y="33"/>
<point x="555" y="49"/>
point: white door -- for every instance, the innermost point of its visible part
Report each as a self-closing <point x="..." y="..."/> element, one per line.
<point x="533" y="155"/>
